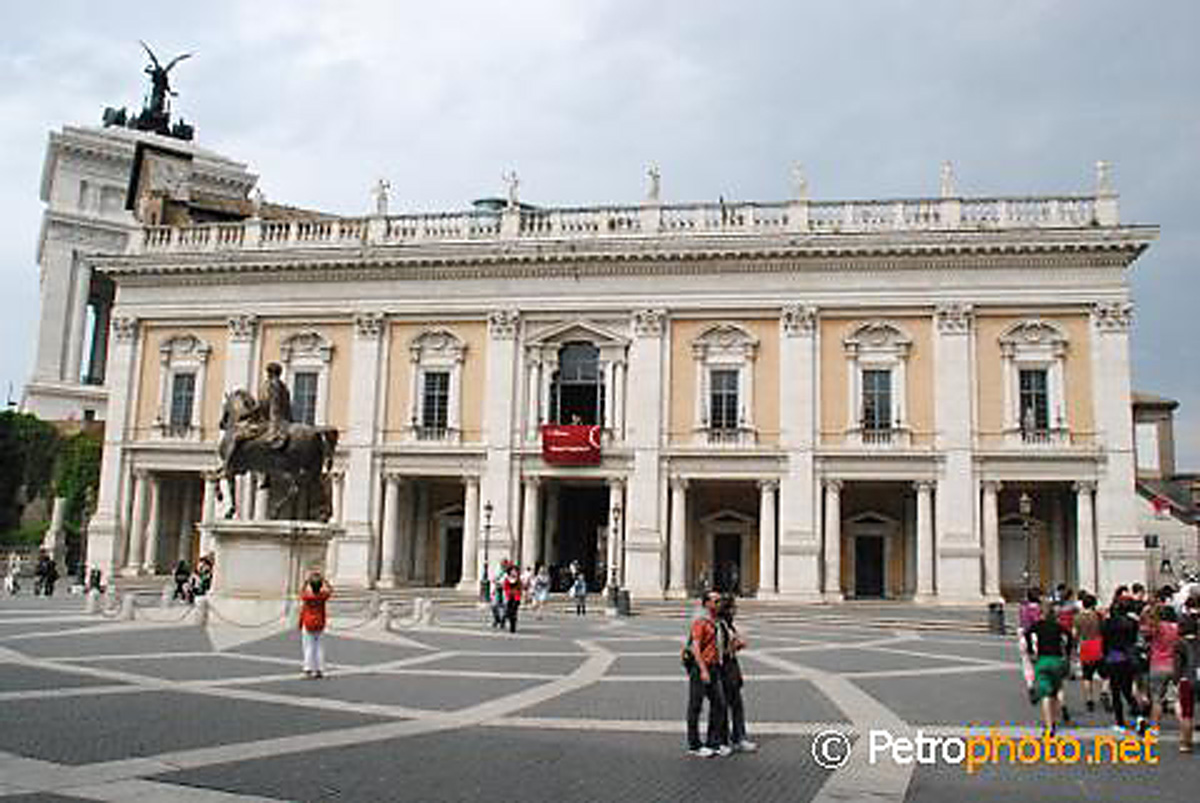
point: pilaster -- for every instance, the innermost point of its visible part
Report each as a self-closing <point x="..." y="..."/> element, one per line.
<point x="644" y="544"/>
<point x="799" y="562"/>
<point x="498" y="424"/>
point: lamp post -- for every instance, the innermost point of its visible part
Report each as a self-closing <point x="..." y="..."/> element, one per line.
<point x="1025" y="505"/>
<point x="614" y="533"/>
<point x="486" y="577"/>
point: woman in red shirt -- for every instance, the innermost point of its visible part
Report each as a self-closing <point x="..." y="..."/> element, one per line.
<point x="512" y="597"/>
<point x="312" y="623"/>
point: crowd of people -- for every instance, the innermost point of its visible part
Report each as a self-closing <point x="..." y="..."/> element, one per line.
<point x="191" y="583"/>
<point x="1136" y="655"/>
<point x="511" y="585"/>
<point x="45" y="575"/>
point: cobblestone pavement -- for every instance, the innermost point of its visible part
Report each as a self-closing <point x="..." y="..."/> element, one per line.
<point x="567" y="709"/>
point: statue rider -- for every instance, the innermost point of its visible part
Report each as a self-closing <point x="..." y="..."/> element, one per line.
<point x="275" y="402"/>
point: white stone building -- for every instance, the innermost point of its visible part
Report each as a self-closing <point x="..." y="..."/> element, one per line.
<point x="919" y="398"/>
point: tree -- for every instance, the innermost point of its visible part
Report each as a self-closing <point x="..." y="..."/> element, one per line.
<point x="77" y="475"/>
<point x="28" y="448"/>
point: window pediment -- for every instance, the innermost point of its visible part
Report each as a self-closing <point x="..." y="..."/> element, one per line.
<point x="1033" y="334"/>
<point x="437" y="346"/>
<point x="878" y="336"/>
<point x="310" y="345"/>
<point x="184" y="348"/>
<point x="725" y="340"/>
<point x="578" y="331"/>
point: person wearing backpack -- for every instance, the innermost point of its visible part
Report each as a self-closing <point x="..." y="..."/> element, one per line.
<point x="703" y="662"/>
<point x="1187" y="675"/>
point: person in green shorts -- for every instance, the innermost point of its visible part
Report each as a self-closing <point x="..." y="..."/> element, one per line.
<point x="1047" y="641"/>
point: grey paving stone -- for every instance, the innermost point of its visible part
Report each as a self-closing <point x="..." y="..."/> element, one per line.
<point x="861" y="660"/>
<point x="82" y="730"/>
<point x="527" y="765"/>
<point x="40" y="797"/>
<point x="208" y="667"/>
<point x="996" y="698"/>
<point x="438" y="693"/>
<point x="773" y="701"/>
<point x="123" y="642"/>
<point x="20" y="677"/>
<point x="648" y="665"/>
<point x="517" y="662"/>
<point x="505" y="643"/>
<point x="8" y="629"/>
<point x="338" y="649"/>
<point x="664" y="645"/>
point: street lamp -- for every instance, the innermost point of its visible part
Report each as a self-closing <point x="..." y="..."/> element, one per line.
<point x="1025" y="505"/>
<point x="485" y="578"/>
<point x="617" y="557"/>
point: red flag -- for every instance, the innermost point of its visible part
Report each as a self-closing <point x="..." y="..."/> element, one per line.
<point x="571" y="444"/>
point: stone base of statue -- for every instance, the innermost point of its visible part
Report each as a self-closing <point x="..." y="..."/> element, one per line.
<point x="260" y="567"/>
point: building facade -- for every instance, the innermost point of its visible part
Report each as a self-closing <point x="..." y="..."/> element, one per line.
<point x="814" y="399"/>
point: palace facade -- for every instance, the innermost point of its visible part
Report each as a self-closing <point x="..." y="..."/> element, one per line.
<point x="917" y="398"/>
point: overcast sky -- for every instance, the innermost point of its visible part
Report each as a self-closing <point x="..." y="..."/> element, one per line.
<point x="323" y="98"/>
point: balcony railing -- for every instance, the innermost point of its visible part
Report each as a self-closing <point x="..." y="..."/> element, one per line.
<point x="661" y="221"/>
<point x="729" y="436"/>
<point x="435" y="434"/>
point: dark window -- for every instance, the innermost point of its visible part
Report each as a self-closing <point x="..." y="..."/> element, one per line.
<point x="435" y="403"/>
<point x="183" y="393"/>
<point x="304" y="397"/>
<point x="1035" y="401"/>
<point x="877" y="399"/>
<point x="577" y="394"/>
<point x="723" y="400"/>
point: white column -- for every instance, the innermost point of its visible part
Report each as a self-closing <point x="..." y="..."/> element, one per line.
<point x="991" y="539"/>
<point x="209" y="511"/>
<point x="530" y="531"/>
<point x="497" y="483"/>
<point x="550" y="528"/>
<point x="1121" y="554"/>
<point x="1085" y="538"/>
<point x="360" y="502"/>
<point x="137" y="526"/>
<point x="470" y="570"/>
<point x="766" y="537"/>
<point x="799" y="566"/>
<point x="644" y="544"/>
<point x="925" y="547"/>
<point x="532" y="393"/>
<point x="958" y="544"/>
<point x="106" y="531"/>
<point x="678" y="548"/>
<point x="55" y="540"/>
<point x="153" y="525"/>
<point x="616" y="532"/>
<point x="389" y="535"/>
<point x="81" y="291"/>
<point x="833" y="540"/>
<point x="618" y="405"/>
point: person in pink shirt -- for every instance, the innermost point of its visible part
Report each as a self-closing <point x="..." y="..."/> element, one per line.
<point x="1161" y="631"/>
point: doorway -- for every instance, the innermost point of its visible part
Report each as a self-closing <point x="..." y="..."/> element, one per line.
<point x="452" y="552"/>
<point x="868" y="566"/>
<point x="582" y="516"/>
<point x="727" y="562"/>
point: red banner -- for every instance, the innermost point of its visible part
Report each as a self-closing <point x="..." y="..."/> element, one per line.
<point x="571" y="445"/>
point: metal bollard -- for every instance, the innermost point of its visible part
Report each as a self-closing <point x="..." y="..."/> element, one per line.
<point x="127" y="612"/>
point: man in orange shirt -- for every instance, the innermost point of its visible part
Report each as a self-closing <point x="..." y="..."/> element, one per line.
<point x="312" y="623"/>
<point x="704" y="681"/>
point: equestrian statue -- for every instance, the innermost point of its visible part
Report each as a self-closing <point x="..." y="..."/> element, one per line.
<point x="292" y="459"/>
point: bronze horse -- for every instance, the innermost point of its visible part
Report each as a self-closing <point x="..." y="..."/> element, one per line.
<point x="299" y="463"/>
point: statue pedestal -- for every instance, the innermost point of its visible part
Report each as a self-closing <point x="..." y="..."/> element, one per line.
<point x="261" y="565"/>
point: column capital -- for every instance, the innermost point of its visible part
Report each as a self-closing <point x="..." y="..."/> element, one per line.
<point x="1113" y="316"/>
<point x="471" y="480"/>
<point x="124" y="328"/>
<point x="368" y="325"/>
<point x="1084" y="486"/>
<point x="615" y="482"/>
<point x="141" y="474"/>
<point x="531" y="480"/>
<point x="502" y="323"/>
<point x="954" y="318"/>
<point x="768" y="485"/>
<point x="242" y="327"/>
<point x="799" y="320"/>
<point x="649" y="322"/>
<point x="924" y="486"/>
<point x="679" y="483"/>
<point x="832" y="484"/>
<point x="394" y="475"/>
<point x="992" y="486"/>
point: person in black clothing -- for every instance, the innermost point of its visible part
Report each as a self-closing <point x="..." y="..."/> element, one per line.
<point x="1047" y="641"/>
<point x="730" y="644"/>
<point x="1119" y="635"/>
<point x="182" y="575"/>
